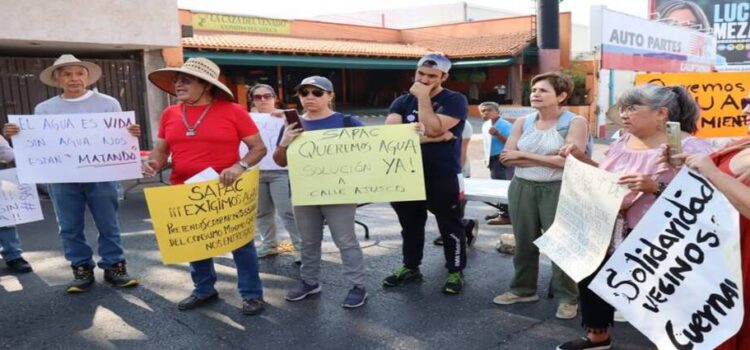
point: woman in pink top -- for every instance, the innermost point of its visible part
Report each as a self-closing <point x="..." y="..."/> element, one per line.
<point x="638" y="156"/>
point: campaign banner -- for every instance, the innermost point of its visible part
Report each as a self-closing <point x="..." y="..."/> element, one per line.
<point x="270" y="131"/>
<point x="718" y="95"/>
<point x="202" y="220"/>
<point x="727" y="20"/>
<point x="628" y="42"/>
<point x="19" y="203"/>
<point x="677" y="276"/>
<point x="356" y="165"/>
<point x="587" y="208"/>
<point x="71" y="148"/>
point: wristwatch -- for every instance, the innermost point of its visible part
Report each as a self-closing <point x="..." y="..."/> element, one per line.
<point x="243" y="164"/>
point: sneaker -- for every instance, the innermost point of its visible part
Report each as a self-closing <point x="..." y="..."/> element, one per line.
<point x="252" y="307"/>
<point x="454" y="283"/>
<point x="118" y="276"/>
<point x="302" y="291"/>
<point x="19" y="265"/>
<point x="264" y="252"/>
<point x="402" y="276"/>
<point x="499" y="221"/>
<point x="586" y="344"/>
<point x="83" y="278"/>
<point x="472" y="231"/>
<point x="438" y="241"/>
<point x="509" y="298"/>
<point x="193" y="301"/>
<point x="491" y="216"/>
<point x="356" y="297"/>
<point x="566" y="311"/>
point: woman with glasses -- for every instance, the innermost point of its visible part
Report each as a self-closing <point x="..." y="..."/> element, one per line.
<point x="729" y="170"/>
<point x="274" y="198"/>
<point x="316" y="96"/>
<point x="205" y="130"/>
<point x="638" y="156"/>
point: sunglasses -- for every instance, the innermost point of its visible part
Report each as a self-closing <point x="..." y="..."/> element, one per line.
<point x="263" y="97"/>
<point x="745" y="102"/>
<point x="184" y="79"/>
<point x="315" y="92"/>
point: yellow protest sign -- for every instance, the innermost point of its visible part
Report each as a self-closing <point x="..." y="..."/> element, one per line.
<point x="356" y="165"/>
<point x="198" y="221"/>
<point x="717" y="94"/>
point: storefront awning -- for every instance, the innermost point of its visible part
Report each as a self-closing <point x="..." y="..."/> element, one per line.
<point x="268" y="60"/>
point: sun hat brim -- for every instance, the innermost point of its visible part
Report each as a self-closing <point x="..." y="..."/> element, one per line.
<point x="47" y="75"/>
<point x="162" y="78"/>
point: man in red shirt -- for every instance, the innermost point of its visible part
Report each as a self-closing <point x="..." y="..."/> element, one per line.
<point x="204" y="131"/>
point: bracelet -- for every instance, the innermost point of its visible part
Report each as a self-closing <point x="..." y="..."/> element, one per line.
<point x="661" y="186"/>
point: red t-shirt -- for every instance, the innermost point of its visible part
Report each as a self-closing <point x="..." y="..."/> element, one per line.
<point x="216" y="141"/>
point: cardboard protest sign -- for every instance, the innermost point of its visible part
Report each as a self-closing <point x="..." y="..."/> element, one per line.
<point x="19" y="203"/>
<point x="356" y="165"/>
<point x="270" y="131"/>
<point x="202" y="220"/>
<point x="677" y="275"/>
<point x="586" y="212"/>
<point x="718" y="95"/>
<point x="65" y="148"/>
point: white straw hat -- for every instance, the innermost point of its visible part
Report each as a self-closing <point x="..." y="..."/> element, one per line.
<point x="198" y="67"/>
<point x="47" y="76"/>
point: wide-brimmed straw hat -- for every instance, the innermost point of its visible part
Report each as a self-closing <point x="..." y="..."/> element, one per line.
<point x="198" y="67"/>
<point x="47" y="75"/>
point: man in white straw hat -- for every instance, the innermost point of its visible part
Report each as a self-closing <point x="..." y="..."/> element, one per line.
<point x="205" y="130"/>
<point x="74" y="76"/>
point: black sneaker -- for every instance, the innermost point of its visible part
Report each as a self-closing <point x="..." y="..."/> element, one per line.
<point x="401" y="276"/>
<point x="438" y="241"/>
<point x="253" y="307"/>
<point x="193" y="301"/>
<point x="83" y="278"/>
<point x="302" y="291"/>
<point x="118" y="276"/>
<point x="586" y="344"/>
<point x="454" y="284"/>
<point x="472" y="231"/>
<point x="19" y="265"/>
<point x="356" y="298"/>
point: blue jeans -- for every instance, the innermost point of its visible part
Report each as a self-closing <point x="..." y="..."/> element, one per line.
<point x="70" y="201"/>
<point x="248" y="277"/>
<point x="10" y="243"/>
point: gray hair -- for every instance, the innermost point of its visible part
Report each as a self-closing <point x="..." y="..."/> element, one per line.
<point x="681" y="106"/>
<point x="491" y="104"/>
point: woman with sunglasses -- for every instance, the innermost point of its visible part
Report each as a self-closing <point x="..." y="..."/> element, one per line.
<point x="205" y="130"/>
<point x="274" y="198"/>
<point x="638" y="156"/>
<point x="316" y="96"/>
<point x="729" y="170"/>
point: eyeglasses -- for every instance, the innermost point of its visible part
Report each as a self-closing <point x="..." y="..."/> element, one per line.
<point x="632" y="109"/>
<point x="263" y="97"/>
<point x="184" y="79"/>
<point x="315" y="92"/>
<point x="745" y="102"/>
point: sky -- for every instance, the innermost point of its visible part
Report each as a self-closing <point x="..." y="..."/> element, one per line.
<point x="300" y="9"/>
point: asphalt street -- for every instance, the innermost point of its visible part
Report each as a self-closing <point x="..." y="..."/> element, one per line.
<point x="36" y="313"/>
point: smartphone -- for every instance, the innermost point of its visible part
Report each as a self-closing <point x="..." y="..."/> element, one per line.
<point x="292" y="116"/>
<point x="674" y="140"/>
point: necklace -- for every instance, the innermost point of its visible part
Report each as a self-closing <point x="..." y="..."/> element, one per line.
<point x="191" y="130"/>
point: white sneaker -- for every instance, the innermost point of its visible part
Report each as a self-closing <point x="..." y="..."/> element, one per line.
<point x="509" y="298"/>
<point x="566" y="311"/>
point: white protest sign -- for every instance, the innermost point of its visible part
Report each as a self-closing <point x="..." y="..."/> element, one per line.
<point x="19" y="203"/>
<point x="586" y="212"/>
<point x="677" y="275"/>
<point x="270" y="129"/>
<point x="70" y="148"/>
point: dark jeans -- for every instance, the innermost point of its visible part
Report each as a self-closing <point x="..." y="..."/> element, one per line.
<point x="498" y="171"/>
<point x="443" y="201"/>
<point x="595" y="312"/>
